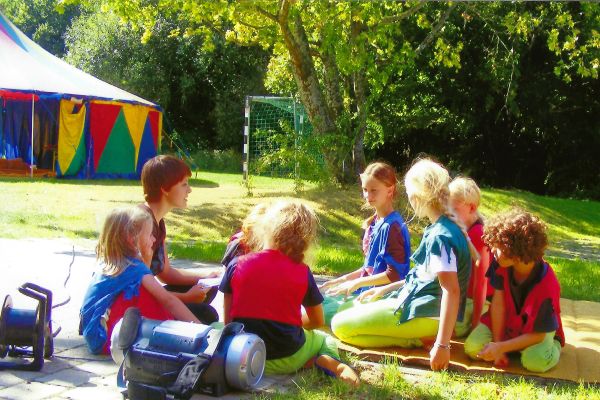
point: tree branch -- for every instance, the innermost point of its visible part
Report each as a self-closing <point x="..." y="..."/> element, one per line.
<point x="267" y="14"/>
<point x="258" y="28"/>
<point x="488" y="24"/>
<point x="395" y="18"/>
<point x="436" y="29"/>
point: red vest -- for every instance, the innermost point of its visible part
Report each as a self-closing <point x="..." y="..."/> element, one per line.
<point x="269" y="285"/>
<point x="548" y="287"/>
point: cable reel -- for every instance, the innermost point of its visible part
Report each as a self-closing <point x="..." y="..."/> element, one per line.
<point x="26" y="333"/>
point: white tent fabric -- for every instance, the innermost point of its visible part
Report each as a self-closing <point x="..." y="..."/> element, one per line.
<point x="27" y="67"/>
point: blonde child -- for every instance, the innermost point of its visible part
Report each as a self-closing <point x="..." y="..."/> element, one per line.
<point x="525" y="312"/>
<point x="464" y="200"/>
<point x="432" y="298"/>
<point x="386" y="242"/>
<point x="125" y="280"/>
<point x="266" y="291"/>
<point x="245" y="241"/>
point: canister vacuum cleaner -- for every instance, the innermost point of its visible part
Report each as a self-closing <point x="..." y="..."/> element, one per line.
<point x="27" y="333"/>
<point x="174" y="359"/>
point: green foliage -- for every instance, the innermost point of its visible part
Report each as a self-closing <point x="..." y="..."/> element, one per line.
<point x="506" y="92"/>
<point x="41" y="21"/>
<point x="218" y="160"/>
<point x="202" y="90"/>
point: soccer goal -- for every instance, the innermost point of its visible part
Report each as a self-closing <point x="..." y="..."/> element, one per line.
<point x="278" y="139"/>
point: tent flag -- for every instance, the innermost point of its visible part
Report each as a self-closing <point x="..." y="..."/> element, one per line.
<point x="136" y="116"/>
<point x="71" y="140"/>
<point x="102" y="119"/>
<point x="118" y="156"/>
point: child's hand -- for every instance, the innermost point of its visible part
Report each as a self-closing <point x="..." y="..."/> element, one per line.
<point x="371" y="294"/>
<point x="439" y="358"/>
<point x="502" y="362"/>
<point x="213" y="274"/>
<point x="197" y="293"/>
<point x="492" y="352"/>
<point x="329" y="283"/>
<point x="346" y="288"/>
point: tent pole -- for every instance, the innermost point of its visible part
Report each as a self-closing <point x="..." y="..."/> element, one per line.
<point x="31" y="166"/>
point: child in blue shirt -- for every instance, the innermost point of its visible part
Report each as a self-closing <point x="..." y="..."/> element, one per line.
<point x="124" y="250"/>
<point x="386" y="242"/>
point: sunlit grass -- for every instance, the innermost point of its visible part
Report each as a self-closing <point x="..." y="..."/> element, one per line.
<point x="219" y="202"/>
<point x="389" y="382"/>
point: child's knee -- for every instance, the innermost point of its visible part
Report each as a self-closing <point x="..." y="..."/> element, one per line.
<point x="475" y="342"/>
<point x="541" y="357"/>
<point x="341" y="325"/>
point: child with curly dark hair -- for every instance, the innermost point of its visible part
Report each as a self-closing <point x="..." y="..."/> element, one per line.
<point x="525" y="312"/>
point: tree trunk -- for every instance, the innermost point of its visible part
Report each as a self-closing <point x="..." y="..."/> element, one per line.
<point x="359" y="82"/>
<point x="360" y="126"/>
<point x="311" y="93"/>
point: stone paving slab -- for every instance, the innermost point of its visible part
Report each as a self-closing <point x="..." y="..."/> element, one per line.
<point x="72" y="373"/>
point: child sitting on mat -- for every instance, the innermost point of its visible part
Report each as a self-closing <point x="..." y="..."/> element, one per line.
<point x="433" y="296"/>
<point x="464" y="200"/>
<point x="125" y="280"/>
<point x="266" y="290"/>
<point x="386" y="243"/>
<point x="525" y="312"/>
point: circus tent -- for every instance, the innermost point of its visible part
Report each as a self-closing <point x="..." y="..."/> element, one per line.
<point x="57" y="117"/>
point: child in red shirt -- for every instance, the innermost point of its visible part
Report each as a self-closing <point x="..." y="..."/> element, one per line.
<point x="267" y="289"/>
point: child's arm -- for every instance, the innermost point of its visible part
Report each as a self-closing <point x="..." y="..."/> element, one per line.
<point x="480" y="286"/>
<point x="168" y="301"/>
<point x="349" y="276"/>
<point x="314" y="317"/>
<point x="379" y="291"/>
<point x="175" y="276"/>
<point x="226" y="307"/>
<point x="350" y="286"/>
<point x="497" y="315"/>
<point x="497" y="350"/>
<point x="440" y="353"/>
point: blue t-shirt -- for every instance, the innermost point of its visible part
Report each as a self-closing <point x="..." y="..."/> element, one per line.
<point x="378" y="257"/>
<point x="100" y="296"/>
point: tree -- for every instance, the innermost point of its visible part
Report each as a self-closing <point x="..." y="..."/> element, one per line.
<point x="201" y="90"/>
<point x="332" y="48"/>
<point x="39" y="20"/>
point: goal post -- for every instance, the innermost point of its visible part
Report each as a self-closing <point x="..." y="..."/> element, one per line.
<point x="277" y="139"/>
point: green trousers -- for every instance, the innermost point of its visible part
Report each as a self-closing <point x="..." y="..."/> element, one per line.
<point x="375" y="325"/>
<point x="537" y="358"/>
<point x="317" y="343"/>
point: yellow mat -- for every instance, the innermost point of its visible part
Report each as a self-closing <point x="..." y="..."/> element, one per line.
<point x="579" y="360"/>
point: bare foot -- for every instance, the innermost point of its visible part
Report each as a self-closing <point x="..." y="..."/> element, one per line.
<point x="340" y="370"/>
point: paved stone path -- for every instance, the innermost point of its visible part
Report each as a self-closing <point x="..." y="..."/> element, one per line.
<point x="72" y="373"/>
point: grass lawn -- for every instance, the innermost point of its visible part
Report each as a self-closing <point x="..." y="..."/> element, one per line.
<point x="390" y="383"/>
<point x="217" y="204"/>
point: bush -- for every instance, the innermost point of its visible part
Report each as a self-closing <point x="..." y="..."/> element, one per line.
<point x="218" y="160"/>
